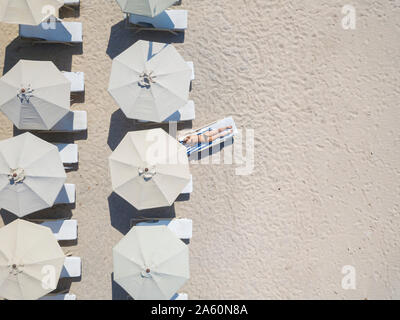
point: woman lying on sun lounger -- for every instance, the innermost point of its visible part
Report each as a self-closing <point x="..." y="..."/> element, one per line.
<point x="208" y="136"/>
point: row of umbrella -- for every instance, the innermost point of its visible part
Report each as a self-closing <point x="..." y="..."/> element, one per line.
<point x="149" y="169"/>
<point x="149" y="262"/>
<point x="33" y="12"/>
<point x="149" y="81"/>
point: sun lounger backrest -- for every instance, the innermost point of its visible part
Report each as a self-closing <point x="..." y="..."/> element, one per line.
<point x="68" y="153"/>
<point x="72" y="268"/>
<point x="67" y="195"/>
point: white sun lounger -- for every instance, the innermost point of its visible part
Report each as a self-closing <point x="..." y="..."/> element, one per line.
<point x="68" y="153"/>
<point x="180" y="296"/>
<point x="63" y="32"/>
<point x="74" y="121"/>
<point x="67" y="195"/>
<point x="181" y="227"/>
<point x="71" y="3"/>
<point x="63" y="230"/>
<point x="77" y="80"/>
<point x="189" y="188"/>
<point x="186" y="113"/>
<point x="66" y="296"/>
<point x="215" y="125"/>
<point x="72" y="268"/>
<point x="170" y="20"/>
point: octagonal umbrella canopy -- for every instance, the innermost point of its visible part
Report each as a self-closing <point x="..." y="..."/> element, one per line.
<point x="151" y="263"/>
<point x="35" y="95"/>
<point x="31" y="174"/>
<point x="31" y="261"/>
<point x="31" y="12"/>
<point x="149" y="169"/>
<point x="150" y="81"/>
<point x="148" y="8"/>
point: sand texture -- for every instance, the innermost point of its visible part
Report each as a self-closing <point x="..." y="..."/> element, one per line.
<point x="324" y="106"/>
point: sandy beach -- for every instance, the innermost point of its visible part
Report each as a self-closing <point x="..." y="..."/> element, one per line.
<point x="322" y="105"/>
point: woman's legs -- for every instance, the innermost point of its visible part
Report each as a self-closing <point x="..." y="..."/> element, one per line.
<point x="216" y="132"/>
<point x="219" y="135"/>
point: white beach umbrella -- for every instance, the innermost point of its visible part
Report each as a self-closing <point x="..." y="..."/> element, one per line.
<point x="34" y="95"/>
<point x="31" y="12"/>
<point x="31" y="261"/>
<point x="149" y="169"/>
<point x="150" y="81"/>
<point x="148" y="8"/>
<point x="31" y="174"/>
<point x="151" y="263"/>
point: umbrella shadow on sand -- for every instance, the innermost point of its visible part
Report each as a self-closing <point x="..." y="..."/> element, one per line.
<point x="118" y="293"/>
<point x="124" y="216"/>
<point x="120" y="125"/>
<point x="59" y="54"/>
<point x="122" y="38"/>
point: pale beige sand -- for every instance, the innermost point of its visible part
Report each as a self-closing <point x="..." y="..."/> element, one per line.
<point x="324" y="104"/>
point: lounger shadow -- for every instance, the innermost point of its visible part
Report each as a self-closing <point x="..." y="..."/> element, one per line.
<point x="59" y="54"/>
<point x="162" y="19"/>
<point x="122" y="38"/>
<point x="122" y="213"/>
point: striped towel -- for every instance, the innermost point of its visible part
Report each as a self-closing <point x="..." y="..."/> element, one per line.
<point x="191" y="149"/>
